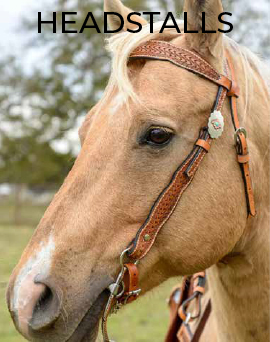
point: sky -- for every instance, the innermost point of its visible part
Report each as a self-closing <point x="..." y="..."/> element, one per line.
<point x="11" y="40"/>
<point x="11" y="11"/>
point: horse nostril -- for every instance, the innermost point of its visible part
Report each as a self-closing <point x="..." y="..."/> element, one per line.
<point x="46" y="310"/>
<point x="44" y="300"/>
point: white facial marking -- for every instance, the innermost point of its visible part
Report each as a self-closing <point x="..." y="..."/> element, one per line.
<point x="40" y="263"/>
<point x="116" y="103"/>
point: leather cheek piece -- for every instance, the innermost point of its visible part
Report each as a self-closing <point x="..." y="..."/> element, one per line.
<point x="131" y="281"/>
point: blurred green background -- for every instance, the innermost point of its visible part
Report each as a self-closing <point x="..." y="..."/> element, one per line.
<point x="48" y="82"/>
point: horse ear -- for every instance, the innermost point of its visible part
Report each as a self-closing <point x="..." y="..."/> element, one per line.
<point x="114" y="21"/>
<point x="209" y="45"/>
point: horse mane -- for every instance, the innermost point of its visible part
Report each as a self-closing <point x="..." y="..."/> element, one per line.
<point x="121" y="45"/>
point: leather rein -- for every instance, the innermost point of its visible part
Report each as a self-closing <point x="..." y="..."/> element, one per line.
<point x="125" y="289"/>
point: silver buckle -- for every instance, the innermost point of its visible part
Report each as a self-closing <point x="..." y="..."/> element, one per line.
<point x="239" y="130"/>
<point x="117" y="290"/>
<point x="132" y="293"/>
<point x="188" y="318"/>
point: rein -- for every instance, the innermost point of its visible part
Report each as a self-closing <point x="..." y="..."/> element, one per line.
<point x="125" y="289"/>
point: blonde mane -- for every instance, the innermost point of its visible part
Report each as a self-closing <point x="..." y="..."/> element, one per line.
<point x="121" y="46"/>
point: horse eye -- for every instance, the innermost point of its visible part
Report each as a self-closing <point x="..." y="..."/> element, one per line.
<point x="158" y="136"/>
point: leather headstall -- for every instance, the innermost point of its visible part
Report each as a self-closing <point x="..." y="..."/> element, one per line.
<point x="125" y="290"/>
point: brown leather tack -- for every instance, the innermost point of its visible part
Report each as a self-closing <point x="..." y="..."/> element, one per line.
<point x="235" y="112"/>
<point x="193" y="287"/>
<point x="235" y="90"/>
<point x="196" y="163"/>
<point x="162" y="211"/>
<point x="242" y="143"/>
<point x="184" y="58"/>
<point x="131" y="282"/>
<point x="249" y="189"/>
<point x="183" y="334"/>
<point x="182" y="314"/>
<point x="225" y="82"/>
<point x="199" y="274"/>
<point x="199" y="289"/>
<point x="204" y="144"/>
<point x="243" y="158"/>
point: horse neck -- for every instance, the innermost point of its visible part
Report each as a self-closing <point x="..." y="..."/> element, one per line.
<point x="240" y="292"/>
<point x="239" y="284"/>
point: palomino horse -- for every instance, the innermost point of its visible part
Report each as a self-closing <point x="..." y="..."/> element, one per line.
<point x="132" y="142"/>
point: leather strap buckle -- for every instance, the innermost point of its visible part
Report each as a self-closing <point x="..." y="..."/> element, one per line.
<point x="237" y="132"/>
<point x="131" y="296"/>
<point x="123" y="291"/>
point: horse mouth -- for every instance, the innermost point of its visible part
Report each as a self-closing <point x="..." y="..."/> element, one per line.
<point x="87" y="330"/>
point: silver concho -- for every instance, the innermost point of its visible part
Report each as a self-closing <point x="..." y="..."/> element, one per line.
<point x="216" y="124"/>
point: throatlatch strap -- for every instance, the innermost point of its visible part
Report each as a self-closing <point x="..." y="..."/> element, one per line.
<point x="241" y="144"/>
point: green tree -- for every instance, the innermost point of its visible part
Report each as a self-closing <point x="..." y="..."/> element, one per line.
<point x="27" y="158"/>
<point x="26" y="162"/>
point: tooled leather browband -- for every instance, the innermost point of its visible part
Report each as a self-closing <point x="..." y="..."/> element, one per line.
<point x="170" y="196"/>
<point x="183" y="58"/>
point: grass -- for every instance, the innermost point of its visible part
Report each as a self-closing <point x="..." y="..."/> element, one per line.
<point x="12" y="242"/>
<point x="145" y="320"/>
<point x="30" y="213"/>
<point x="142" y="321"/>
